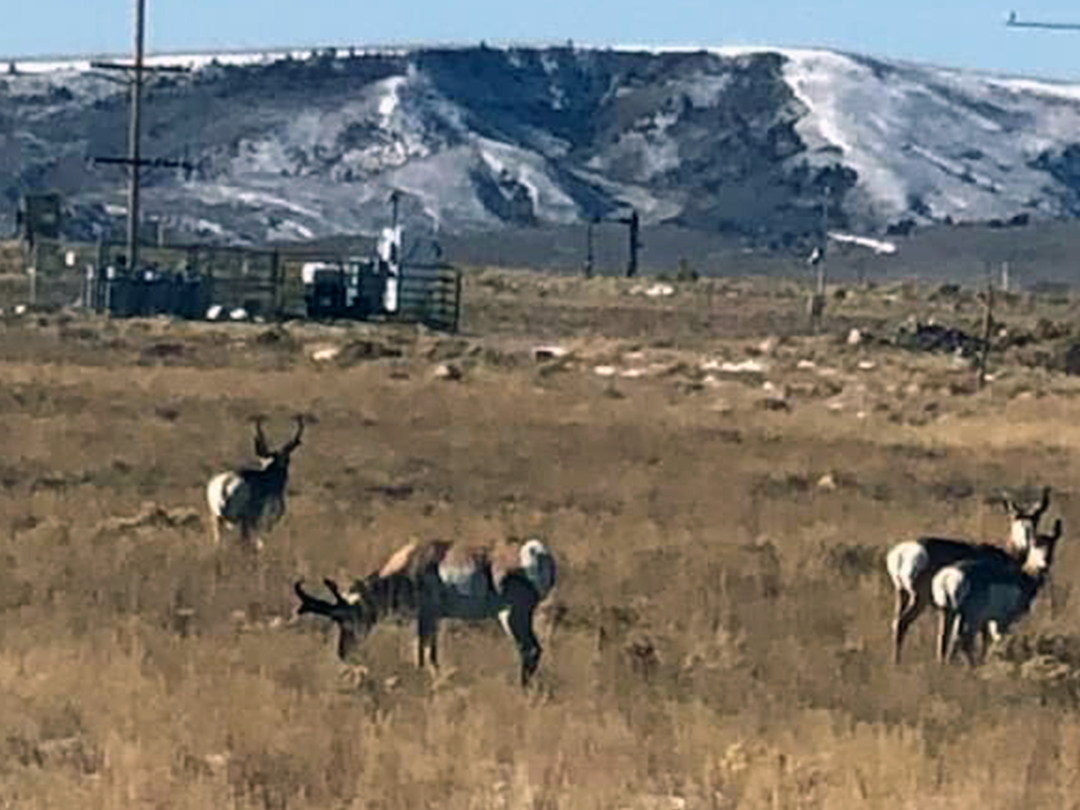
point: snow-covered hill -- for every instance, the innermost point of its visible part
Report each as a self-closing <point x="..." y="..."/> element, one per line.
<point x="290" y="145"/>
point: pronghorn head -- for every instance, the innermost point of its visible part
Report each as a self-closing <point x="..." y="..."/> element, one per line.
<point x="1040" y="555"/>
<point x="1025" y="522"/>
<point x="355" y="613"/>
<point x="280" y="458"/>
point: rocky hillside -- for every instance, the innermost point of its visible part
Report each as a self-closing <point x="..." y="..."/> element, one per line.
<point x="737" y="142"/>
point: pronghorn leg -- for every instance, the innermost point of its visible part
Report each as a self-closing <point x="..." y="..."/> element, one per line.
<point x="517" y="620"/>
<point x="947" y="635"/>
<point x="967" y="642"/>
<point x="991" y="637"/>
<point x="908" y="608"/>
<point x="216" y="525"/>
<point x="426" y="636"/>
<point x="248" y="540"/>
<point x="988" y="633"/>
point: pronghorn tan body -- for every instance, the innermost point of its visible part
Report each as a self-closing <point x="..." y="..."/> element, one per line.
<point x="913" y="564"/>
<point x="441" y="580"/>
<point x="253" y="499"/>
<point x="986" y="596"/>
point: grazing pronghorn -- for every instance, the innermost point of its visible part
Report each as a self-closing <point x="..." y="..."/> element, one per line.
<point x="250" y="498"/>
<point x="912" y="564"/>
<point x="986" y="596"/>
<point x="442" y="580"/>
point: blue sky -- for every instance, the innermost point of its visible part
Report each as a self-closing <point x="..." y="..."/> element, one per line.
<point x="962" y="33"/>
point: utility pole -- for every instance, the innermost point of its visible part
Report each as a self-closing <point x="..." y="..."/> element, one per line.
<point x="134" y="160"/>
<point x="815" y="306"/>
<point x="824" y="240"/>
<point x="134" y="138"/>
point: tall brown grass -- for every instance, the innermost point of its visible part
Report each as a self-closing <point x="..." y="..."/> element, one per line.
<point x="719" y="637"/>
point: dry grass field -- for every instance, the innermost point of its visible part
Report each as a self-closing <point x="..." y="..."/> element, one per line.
<point x="719" y="637"/>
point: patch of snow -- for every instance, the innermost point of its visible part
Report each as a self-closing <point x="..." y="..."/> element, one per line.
<point x="876" y="245"/>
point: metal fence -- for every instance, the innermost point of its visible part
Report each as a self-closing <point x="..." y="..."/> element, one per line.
<point x="187" y="280"/>
<point x="145" y="294"/>
<point x="430" y="294"/>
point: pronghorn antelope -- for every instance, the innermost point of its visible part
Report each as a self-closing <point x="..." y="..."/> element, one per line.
<point x="912" y="564"/>
<point x="442" y="580"/>
<point x="249" y="498"/>
<point x="986" y="596"/>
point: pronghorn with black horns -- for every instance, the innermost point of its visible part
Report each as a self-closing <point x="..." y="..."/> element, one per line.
<point x="442" y="580"/>
<point x="253" y="499"/>
<point x="912" y="564"/>
<point x="986" y="596"/>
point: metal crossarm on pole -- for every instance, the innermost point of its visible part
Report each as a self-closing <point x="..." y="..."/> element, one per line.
<point x="1014" y="22"/>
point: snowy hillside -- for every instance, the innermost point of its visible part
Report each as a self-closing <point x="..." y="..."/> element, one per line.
<point x="740" y="141"/>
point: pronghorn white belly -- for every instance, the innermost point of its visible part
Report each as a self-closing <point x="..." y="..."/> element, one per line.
<point x="227" y="496"/>
<point x="905" y="562"/>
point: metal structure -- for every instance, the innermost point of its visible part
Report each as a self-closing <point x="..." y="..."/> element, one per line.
<point x="633" y="223"/>
<point x="1013" y="22"/>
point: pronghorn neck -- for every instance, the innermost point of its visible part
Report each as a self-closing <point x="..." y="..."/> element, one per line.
<point x="1021" y="535"/>
<point x="388" y="595"/>
<point x="273" y="472"/>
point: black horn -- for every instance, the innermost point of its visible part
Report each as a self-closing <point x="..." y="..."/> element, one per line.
<point x="261" y="450"/>
<point x="1044" y="502"/>
<point x="294" y="442"/>
<point x="308" y="603"/>
<point x="1058" y="528"/>
<point x="335" y="591"/>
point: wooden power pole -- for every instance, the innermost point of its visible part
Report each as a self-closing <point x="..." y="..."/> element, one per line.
<point x="134" y="161"/>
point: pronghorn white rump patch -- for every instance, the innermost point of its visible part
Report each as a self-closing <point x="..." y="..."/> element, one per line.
<point x="949" y="588"/>
<point x="904" y="562"/>
<point x="538" y="564"/>
<point x="222" y="495"/>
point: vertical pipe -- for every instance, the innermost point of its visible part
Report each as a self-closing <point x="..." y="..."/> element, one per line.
<point x="589" y="249"/>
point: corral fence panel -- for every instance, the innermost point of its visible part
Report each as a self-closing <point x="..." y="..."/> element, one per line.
<point x="186" y="280"/>
<point x="430" y="294"/>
